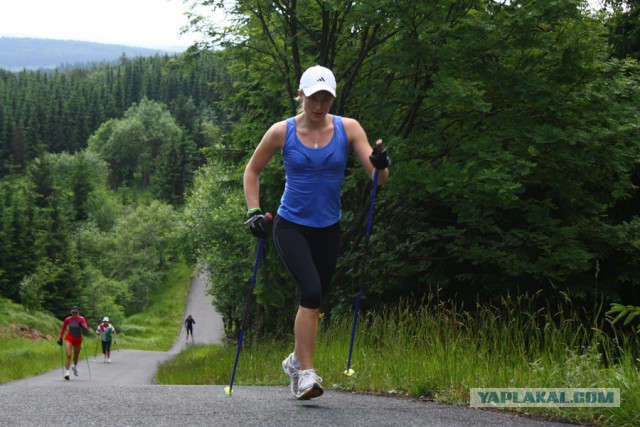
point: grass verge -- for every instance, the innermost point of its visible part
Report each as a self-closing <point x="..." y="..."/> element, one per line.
<point x="27" y="342"/>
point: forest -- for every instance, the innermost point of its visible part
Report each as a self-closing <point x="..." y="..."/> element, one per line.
<point x="513" y="129"/>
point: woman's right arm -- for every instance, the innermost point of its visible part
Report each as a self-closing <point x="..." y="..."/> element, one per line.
<point x="272" y="141"/>
<point x="64" y="326"/>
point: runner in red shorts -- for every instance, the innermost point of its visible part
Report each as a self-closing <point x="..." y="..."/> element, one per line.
<point x="76" y="324"/>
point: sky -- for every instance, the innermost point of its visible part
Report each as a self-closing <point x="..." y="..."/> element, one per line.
<point x="140" y="23"/>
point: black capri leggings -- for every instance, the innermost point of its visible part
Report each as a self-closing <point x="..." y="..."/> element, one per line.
<point x="106" y="346"/>
<point x="310" y="254"/>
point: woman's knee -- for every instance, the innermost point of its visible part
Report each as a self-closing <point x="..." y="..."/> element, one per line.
<point x="311" y="299"/>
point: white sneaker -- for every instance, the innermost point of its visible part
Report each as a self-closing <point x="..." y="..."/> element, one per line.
<point x="108" y="360"/>
<point x="309" y="385"/>
<point x="290" y="368"/>
<point x="66" y="375"/>
<point x="75" y="370"/>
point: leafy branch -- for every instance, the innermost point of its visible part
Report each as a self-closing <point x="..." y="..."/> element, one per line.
<point x="626" y="312"/>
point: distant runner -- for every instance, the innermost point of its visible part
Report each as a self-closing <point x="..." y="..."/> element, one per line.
<point x="107" y="333"/>
<point x="76" y="324"/>
<point x="189" y="322"/>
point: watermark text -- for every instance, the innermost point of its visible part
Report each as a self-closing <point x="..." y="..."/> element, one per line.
<point x="544" y="397"/>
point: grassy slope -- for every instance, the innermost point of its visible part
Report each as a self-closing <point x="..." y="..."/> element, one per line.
<point x="27" y="342"/>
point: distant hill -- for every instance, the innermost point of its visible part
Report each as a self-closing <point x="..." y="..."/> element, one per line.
<point x="20" y="53"/>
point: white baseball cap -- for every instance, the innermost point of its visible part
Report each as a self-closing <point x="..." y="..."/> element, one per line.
<point x="105" y="319"/>
<point x="317" y="78"/>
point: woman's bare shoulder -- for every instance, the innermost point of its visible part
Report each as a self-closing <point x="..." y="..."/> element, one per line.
<point x="277" y="130"/>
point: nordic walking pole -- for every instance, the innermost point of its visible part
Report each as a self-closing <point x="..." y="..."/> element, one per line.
<point x="348" y="372"/>
<point x="61" y="359"/>
<point x="86" y="356"/>
<point x="95" y="351"/>
<point x="229" y="388"/>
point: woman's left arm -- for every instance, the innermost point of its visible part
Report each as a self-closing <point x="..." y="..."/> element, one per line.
<point x="360" y="144"/>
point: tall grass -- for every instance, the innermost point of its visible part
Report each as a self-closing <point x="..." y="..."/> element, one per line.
<point x="27" y="342"/>
<point x="439" y="350"/>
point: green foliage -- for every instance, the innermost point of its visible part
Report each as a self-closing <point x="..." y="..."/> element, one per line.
<point x="62" y="232"/>
<point x="158" y="326"/>
<point x="53" y="257"/>
<point x="226" y="250"/>
<point x="147" y="141"/>
<point x="27" y="341"/>
<point x="32" y="287"/>
<point x="514" y="139"/>
<point x="626" y="312"/>
<point x="143" y="244"/>
<point x="19" y="250"/>
<point x="624" y="28"/>
<point x="57" y="111"/>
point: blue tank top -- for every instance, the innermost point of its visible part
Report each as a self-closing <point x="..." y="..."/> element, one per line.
<point x="314" y="177"/>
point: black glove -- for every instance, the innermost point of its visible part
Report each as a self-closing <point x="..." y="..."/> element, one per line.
<point x="379" y="158"/>
<point x="59" y="341"/>
<point x="255" y="219"/>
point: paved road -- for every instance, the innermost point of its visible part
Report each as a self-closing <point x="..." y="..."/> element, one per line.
<point x="208" y="328"/>
<point x="123" y="394"/>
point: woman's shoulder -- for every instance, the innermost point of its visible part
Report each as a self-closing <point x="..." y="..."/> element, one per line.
<point x="348" y="122"/>
<point x="275" y="136"/>
<point x="352" y="128"/>
<point x="278" y="129"/>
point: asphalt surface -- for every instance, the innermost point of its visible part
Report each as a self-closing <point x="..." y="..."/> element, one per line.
<point x="208" y="328"/>
<point x="123" y="393"/>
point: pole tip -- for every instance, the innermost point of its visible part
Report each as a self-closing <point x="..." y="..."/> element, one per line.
<point x="228" y="391"/>
<point x="349" y="372"/>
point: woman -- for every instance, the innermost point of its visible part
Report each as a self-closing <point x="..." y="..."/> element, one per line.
<point x="306" y="230"/>
<point x="107" y="333"/>
<point x="75" y="323"/>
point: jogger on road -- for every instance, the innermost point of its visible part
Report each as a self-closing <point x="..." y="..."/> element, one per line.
<point x="188" y="323"/>
<point x="306" y="230"/>
<point x="73" y="340"/>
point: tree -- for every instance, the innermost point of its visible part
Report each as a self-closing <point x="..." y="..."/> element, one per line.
<point x="19" y="248"/>
<point x="134" y="144"/>
<point x="174" y="170"/>
<point x="513" y="135"/>
<point x="624" y="28"/>
<point x="225" y="249"/>
<point x="141" y="247"/>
